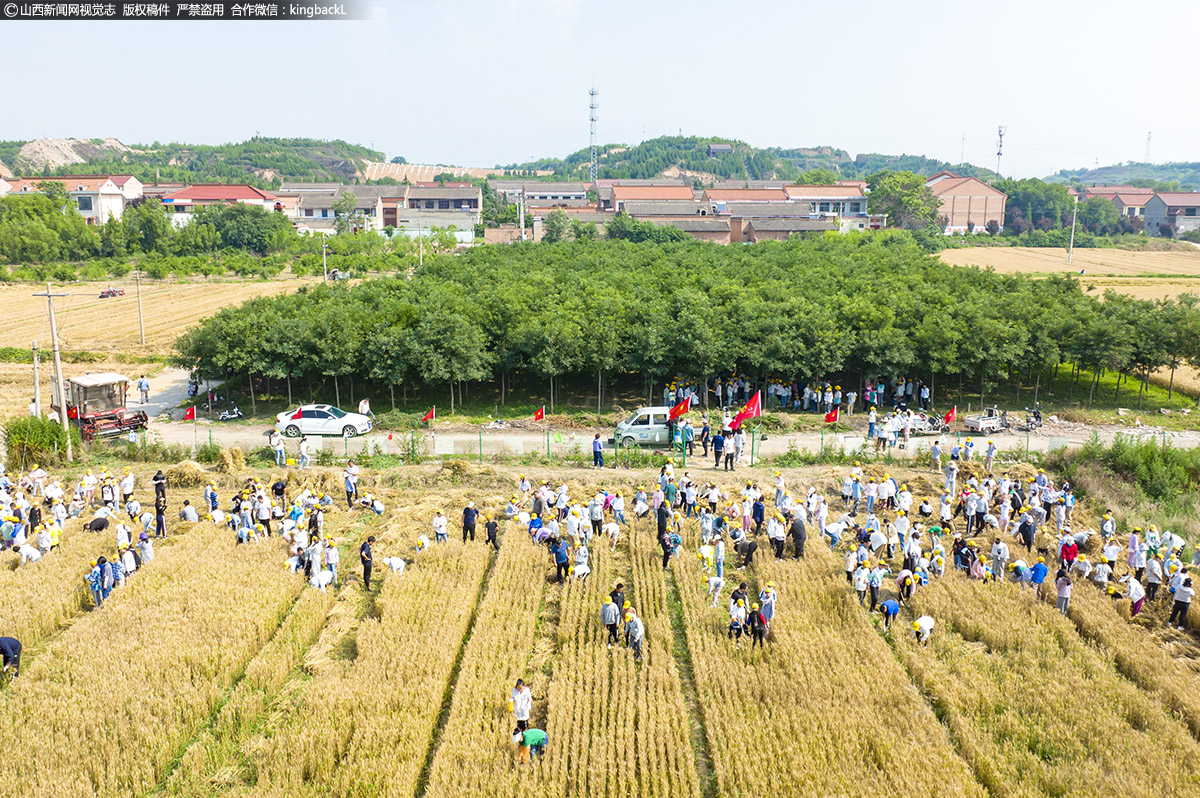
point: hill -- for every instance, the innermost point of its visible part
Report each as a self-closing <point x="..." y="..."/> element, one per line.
<point x="1150" y="175"/>
<point x="688" y="155"/>
<point x="262" y="161"/>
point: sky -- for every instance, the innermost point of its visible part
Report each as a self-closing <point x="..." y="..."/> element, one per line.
<point x="486" y="82"/>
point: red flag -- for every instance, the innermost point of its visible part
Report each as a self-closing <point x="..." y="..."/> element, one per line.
<point x="540" y="414"/>
<point x="299" y="412"/>
<point x="389" y="436"/>
<point x="949" y="417"/>
<point x="431" y="415"/>
<point x="753" y="409"/>
<point x="832" y="416"/>
<point x="681" y="409"/>
<point x="190" y="414"/>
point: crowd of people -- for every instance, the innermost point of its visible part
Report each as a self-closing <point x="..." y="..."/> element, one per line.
<point x="891" y="540"/>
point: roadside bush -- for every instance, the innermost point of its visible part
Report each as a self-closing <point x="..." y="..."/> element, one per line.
<point x="36" y="441"/>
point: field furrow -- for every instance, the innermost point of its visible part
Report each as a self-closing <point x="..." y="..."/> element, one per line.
<point x="1077" y="728"/>
<point x="824" y="708"/>
<point x="131" y="684"/>
<point x="474" y="754"/>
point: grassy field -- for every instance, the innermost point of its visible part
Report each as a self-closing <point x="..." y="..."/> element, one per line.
<point x="216" y="672"/>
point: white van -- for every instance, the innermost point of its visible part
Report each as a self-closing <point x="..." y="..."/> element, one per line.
<point x="646" y="425"/>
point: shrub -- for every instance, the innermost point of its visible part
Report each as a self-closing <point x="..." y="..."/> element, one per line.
<point x="36" y="441"/>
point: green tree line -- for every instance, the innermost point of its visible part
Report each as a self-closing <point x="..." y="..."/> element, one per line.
<point x="839" y="306"/>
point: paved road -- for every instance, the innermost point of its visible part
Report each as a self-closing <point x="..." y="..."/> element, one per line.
<point x="168" y="390"/>
<point x="498" y="442"/>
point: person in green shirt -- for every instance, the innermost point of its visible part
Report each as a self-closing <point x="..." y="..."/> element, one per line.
<point x="670" y="492"/>
<point x="530" y="743"/>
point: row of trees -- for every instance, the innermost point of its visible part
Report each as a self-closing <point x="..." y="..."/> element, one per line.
<point x="846" y="305"/>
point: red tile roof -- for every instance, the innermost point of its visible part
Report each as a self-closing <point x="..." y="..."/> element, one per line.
<point x="1176" y="199"/>
<point x="219" y="192"/>
<point x="848" y="189"/>
<point x="652" y="192"/>
<point x="746" y="195"/>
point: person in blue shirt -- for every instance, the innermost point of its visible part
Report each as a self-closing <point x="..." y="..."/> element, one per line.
<point x="559" y="549"/>
<point x="470" y="515"/>
<point x="718" y="445"/>
<point x="10" y="650"/>
<point x="890" y="609"/>
<point x="1039" y="572"/>
<point x="758" y="514"/>
<point x="597" y="452"/>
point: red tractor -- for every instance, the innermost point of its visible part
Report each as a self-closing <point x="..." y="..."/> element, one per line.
<point x="96" y="402"/>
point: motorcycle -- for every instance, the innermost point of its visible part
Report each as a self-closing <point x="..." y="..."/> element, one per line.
<point x="230" y="414"/>
<point x="1033" y="418"/>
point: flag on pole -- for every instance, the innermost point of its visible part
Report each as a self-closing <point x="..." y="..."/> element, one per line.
<point x="389" y="436"/>
<point x="753" y="409"/>
<point x="299" y="412"/>
<point x="190" y="414"/>
<point x="431" y="415"/>
<point x="540" y="414"/>
<point x="949" y="417"/>
<point x="681" y="409"/>
<point x="832" y="416"/>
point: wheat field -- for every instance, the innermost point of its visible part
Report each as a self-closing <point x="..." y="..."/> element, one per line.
<point x="215" y="672"/>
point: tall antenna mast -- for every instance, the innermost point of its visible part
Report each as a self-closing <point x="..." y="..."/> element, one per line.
<point x="593" y="115"/>
<point x="1000" y="146"/>
<point x="1148" y="135"/>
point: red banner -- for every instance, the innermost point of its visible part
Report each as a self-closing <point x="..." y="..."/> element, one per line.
<point x="681" y="409"/>
<point x="753" y="409"/>
<point x="540" y="414"/>
<point x="832" y="416"/>
<point x="431" y="415"/>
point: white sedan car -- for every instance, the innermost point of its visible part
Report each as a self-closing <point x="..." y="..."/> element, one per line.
<point x="321" y="420"/>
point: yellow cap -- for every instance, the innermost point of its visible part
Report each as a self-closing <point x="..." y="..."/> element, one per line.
<point x="916" y="626"/>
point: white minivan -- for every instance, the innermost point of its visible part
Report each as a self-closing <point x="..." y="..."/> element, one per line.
<point x="646" y="425"/>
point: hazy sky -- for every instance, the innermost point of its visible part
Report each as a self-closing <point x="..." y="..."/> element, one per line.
<point x="477" y="83"/>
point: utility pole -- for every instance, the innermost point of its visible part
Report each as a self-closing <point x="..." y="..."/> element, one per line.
<point x="324" y="265"/>
<point x="137" y="276"/>
<point x="1148" y="135"/>
<point x="1074" y="212"/>
<point x="1000" y="147"/>
<point x="58" y="375"/>
<point x="37" y="384"/>
<point x="593" y="116"/>
<point x="420" y="244"/>
<point x="521" y="208"/>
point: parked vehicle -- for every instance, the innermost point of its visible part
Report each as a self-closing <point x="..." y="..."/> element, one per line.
<point x="992" y="419"/>
<point x="926" y="424"/>
<point x="646" y="425"/>
<point x="1033" y="418"/>
<point x="321" y="420"/>
<point x="230" y="414"/>
<point x="111" y="292"/>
